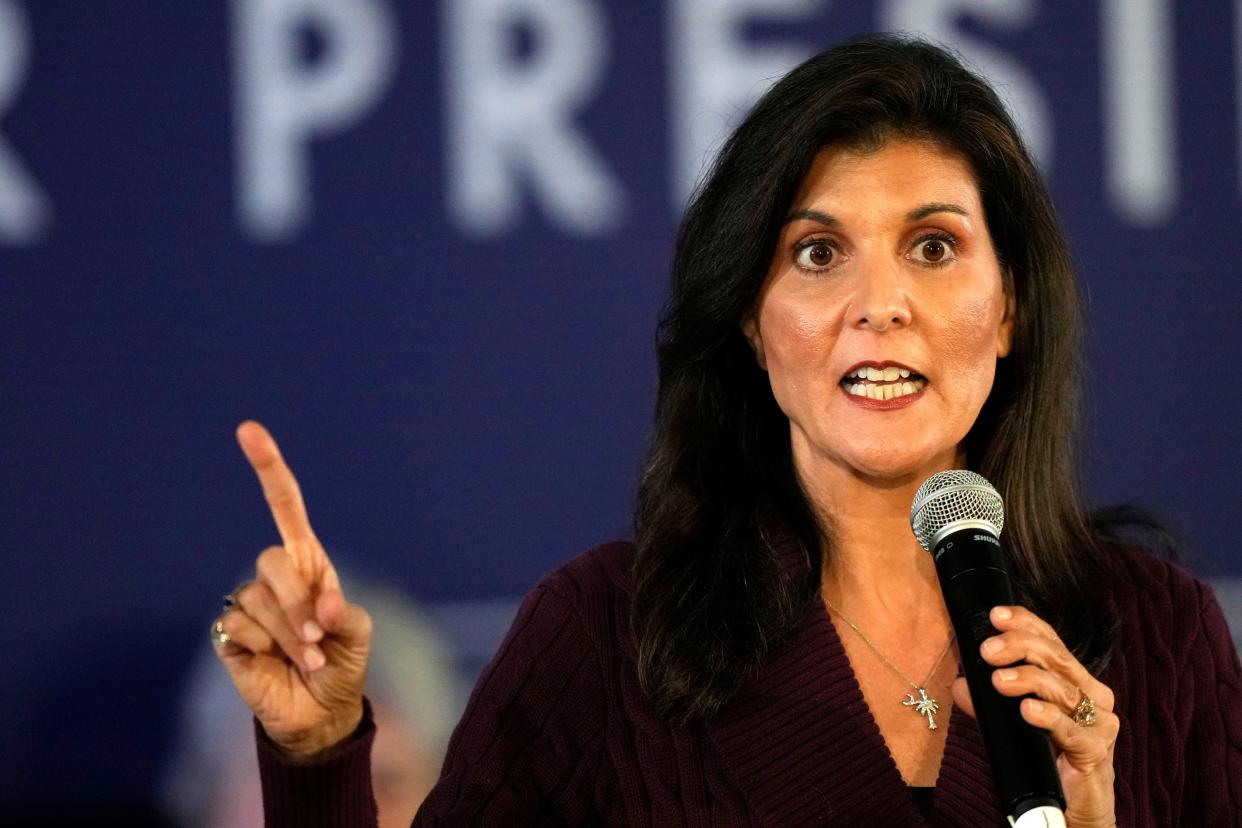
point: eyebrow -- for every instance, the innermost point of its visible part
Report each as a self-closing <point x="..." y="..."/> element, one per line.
<point x="917" y="214"/>
<point x="935" y="207"/>
<point x="813" y="215"/>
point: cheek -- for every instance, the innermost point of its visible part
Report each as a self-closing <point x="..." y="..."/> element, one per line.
<point x="970" y="337"/>
<point x="797" y="343"/>
<point x="793" y="335"/>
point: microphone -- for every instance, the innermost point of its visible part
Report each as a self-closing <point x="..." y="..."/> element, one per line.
<point x="957" y="516"/>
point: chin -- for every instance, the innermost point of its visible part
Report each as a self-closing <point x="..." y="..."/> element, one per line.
<point x="897" y="467"/>
<point x="874" y="455"/>
<point x="893" y="474"/>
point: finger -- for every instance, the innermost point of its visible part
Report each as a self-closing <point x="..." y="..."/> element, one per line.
<point x="1084" y="747"/>
<point x="330" y="608"/>
<point x="1025" y="625"/>
<point x="352" y="638"/>
<point x="1020" y="645"/>
<point x="258" y="601"/>
<point x="1019" y="617"/>
<point x="1027" y="679"/>
<point x="1015" y="646"/>
<point x="277" y="569"/>
<point x="245" y="635"/>
<point x="280" y="487"/>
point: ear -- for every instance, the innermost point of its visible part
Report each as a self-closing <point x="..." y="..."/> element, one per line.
<point x="750" y="329"/>
<point x="1004" y="335"/>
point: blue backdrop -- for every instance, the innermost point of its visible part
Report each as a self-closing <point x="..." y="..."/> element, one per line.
<point x="426" y="244"/>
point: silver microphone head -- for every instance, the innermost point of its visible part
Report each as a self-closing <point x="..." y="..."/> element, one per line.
<point x="952" y="500"/>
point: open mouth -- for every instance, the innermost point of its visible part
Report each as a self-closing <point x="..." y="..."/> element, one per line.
<point x="883" y="383"/>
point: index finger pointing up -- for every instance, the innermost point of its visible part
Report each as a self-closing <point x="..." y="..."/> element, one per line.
<point x="280" y="487"/>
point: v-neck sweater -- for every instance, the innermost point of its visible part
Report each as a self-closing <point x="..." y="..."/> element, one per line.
<point x="558" y="732"/>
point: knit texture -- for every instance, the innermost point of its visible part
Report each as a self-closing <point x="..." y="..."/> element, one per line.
<point x="334" y="789"/>
<point x="558" y="732"/>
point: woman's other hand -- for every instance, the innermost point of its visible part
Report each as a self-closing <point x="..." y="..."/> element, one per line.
<point x="296" y="651"/>
<point x="1058" y="684"/>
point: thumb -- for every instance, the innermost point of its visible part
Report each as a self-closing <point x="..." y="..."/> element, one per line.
<point x="330" y="602"/>
<point x="961" y="697"/>
<point x="349" y="623"/>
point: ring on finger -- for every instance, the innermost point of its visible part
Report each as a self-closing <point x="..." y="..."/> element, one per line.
<point x="232" y="600"/>
<point x="1084" y="712"/>
<point x="218" y="636"/>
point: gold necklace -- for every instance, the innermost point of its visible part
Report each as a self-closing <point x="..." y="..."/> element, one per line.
<point x="924" y="705"/>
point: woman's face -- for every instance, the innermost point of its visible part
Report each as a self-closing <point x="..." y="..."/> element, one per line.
<point x="883" y="312"/>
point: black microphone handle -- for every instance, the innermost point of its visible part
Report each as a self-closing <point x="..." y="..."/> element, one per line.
<point x="971" y="566"/>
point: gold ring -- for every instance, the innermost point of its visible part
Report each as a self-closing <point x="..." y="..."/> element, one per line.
<point x="218" y="636"/>
<point x="1084" y="712"/>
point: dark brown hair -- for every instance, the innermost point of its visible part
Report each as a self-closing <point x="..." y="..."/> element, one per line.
<point x="719" y="493"/>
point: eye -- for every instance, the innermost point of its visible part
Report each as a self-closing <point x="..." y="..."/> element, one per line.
<point x="936" y="249"/>
<point x="815" y="255"/>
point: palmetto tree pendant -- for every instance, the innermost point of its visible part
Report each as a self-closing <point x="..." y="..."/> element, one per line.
<point x="924" y="706"/>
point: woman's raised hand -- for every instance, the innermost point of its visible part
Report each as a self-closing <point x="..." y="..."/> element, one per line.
<point x="296" y="651"/>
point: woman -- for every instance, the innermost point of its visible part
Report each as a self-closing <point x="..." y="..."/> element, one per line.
<point x="870" y="287"/>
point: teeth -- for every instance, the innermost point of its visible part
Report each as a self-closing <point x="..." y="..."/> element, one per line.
<point x="888" y="374"/>
<point x="887" y="391"/>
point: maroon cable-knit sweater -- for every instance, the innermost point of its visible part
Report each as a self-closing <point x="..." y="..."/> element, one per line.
<point x="557" y="731"/>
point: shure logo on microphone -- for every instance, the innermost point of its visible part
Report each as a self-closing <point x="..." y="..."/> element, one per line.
<point x="983" y="536"/>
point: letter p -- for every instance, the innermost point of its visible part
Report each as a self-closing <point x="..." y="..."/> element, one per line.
<point x="283" y="101"/>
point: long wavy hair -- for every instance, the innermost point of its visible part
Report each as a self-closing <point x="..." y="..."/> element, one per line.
<point x="729" y="548"/>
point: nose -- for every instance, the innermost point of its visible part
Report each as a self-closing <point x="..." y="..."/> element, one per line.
<point x="881" y="300"/>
